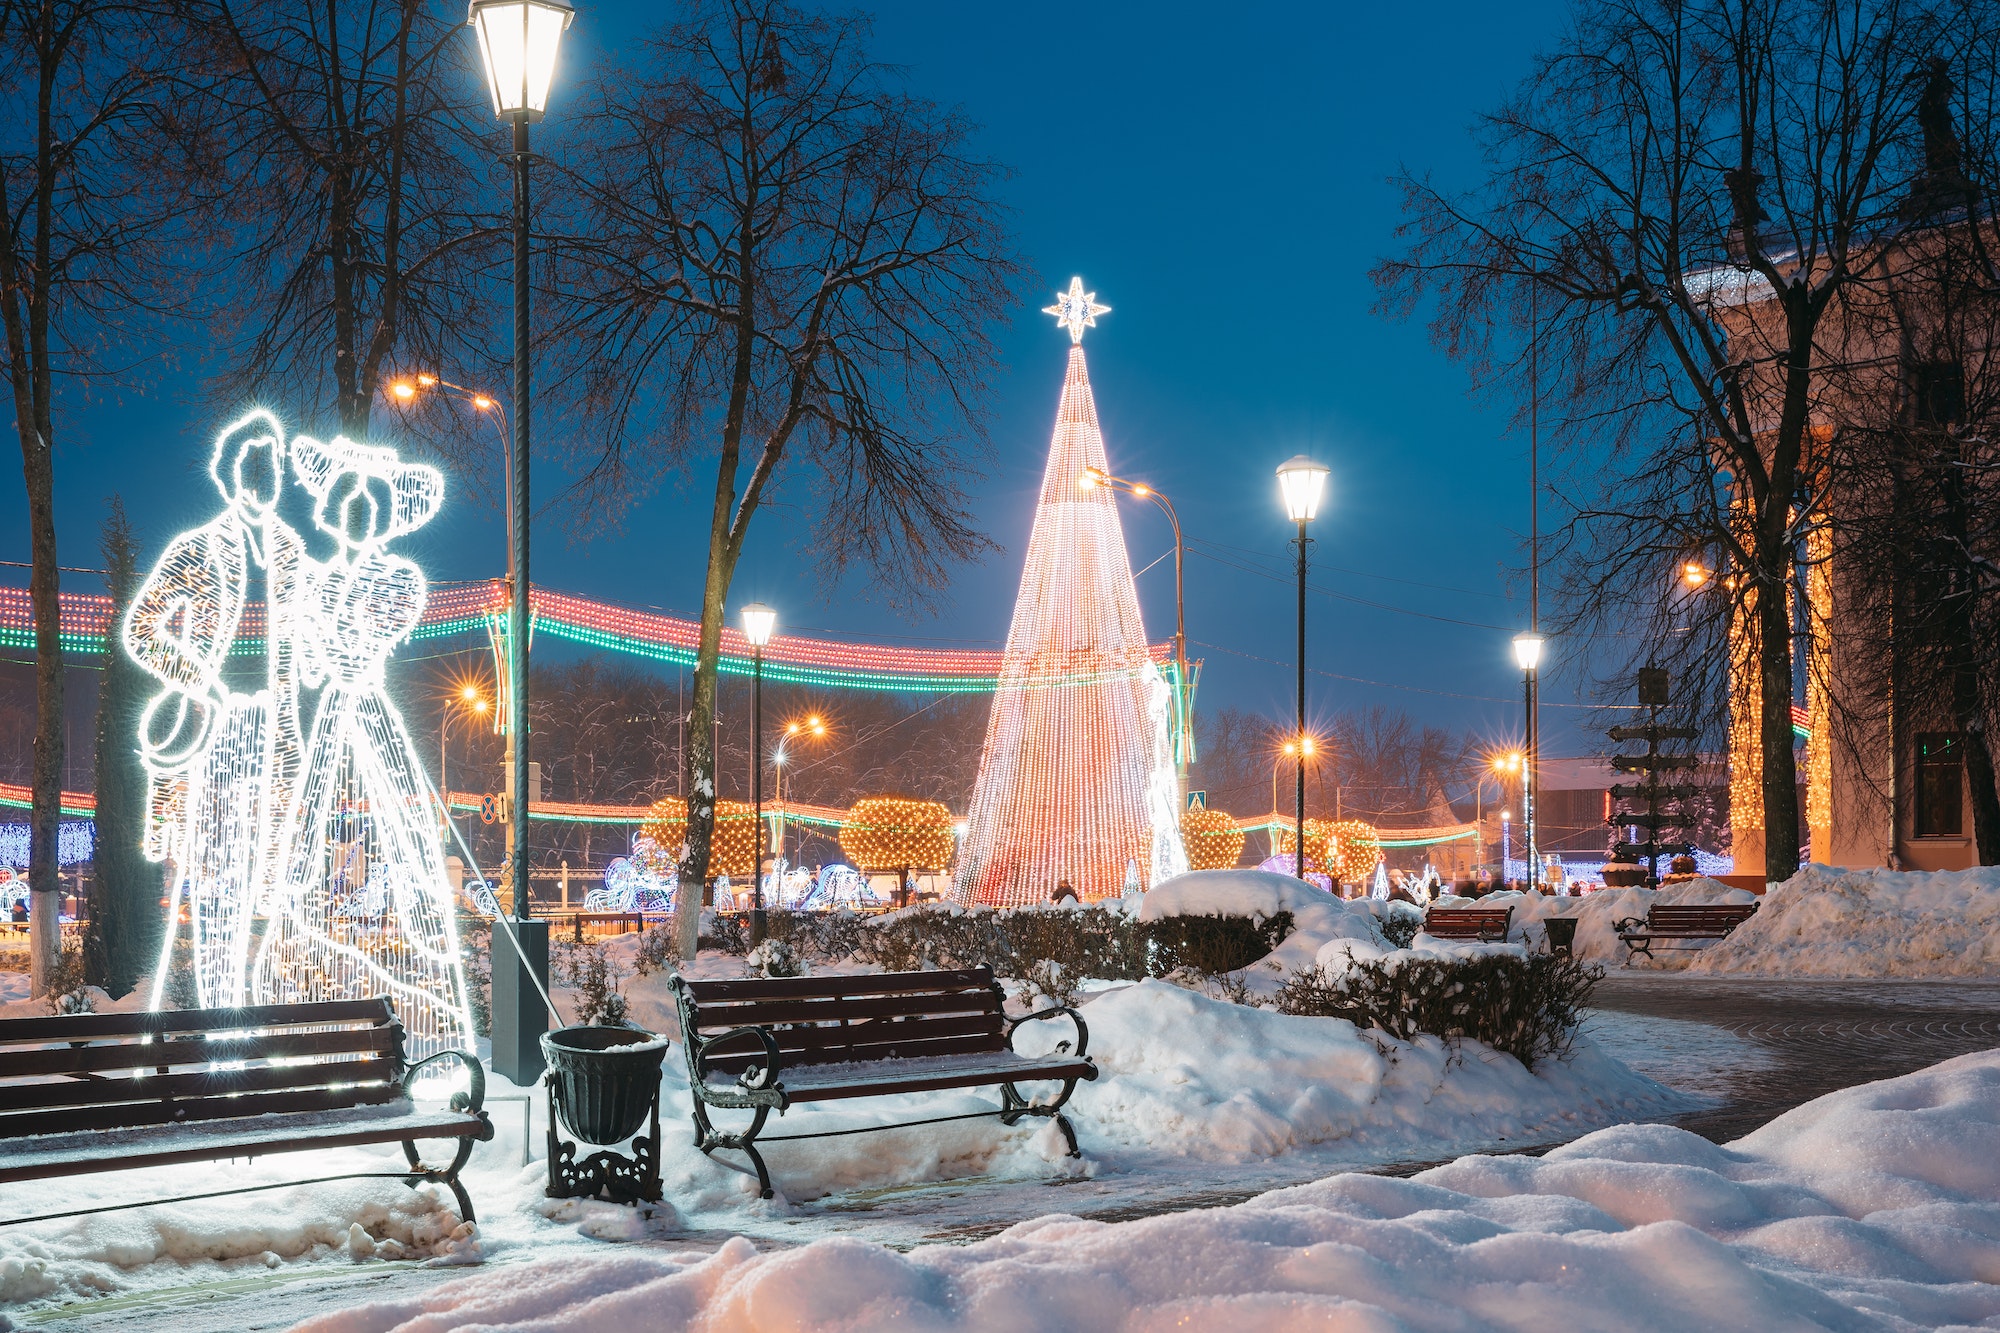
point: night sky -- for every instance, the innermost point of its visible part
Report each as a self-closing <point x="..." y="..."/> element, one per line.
<point x="1217" y="174"/>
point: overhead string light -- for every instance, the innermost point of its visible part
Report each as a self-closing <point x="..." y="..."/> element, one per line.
<point x="471" y="610"/>
<point x="1076" y="781"/>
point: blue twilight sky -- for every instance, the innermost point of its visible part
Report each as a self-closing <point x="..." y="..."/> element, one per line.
<point x="1217" y="174"/>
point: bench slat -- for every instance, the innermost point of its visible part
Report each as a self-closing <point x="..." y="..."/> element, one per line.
<point x="75" y="1154"/>
<point x="69" y="1027"/>
<point x="791" y="988"/>
<point x="134" y="1115"/>
<point x="910" y="1048"/>
<point x="900" y="1077"/>
<point x="164" y="1054"/>
<point x="795" y="1040"/>
<point x="144" y="1085"/>
<point x="769" y="1013"/>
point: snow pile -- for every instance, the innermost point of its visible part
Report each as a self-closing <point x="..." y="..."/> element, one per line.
<point x="1825" y="922"/>
<point x="348" y="1220"/>
<point x="1186" y="1075"/>
<point x="1873" y="1208"/>
<point x="1317" y="916"/>
<point x="1597" y="914"/>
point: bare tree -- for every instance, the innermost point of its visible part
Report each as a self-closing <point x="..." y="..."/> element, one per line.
<point x="791" y="259"/>
<point x="91" y="186"/>
<point x="355" y="206"/>
<point x="1682" y="198"/>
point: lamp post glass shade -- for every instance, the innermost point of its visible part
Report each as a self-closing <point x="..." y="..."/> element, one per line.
<point x="759" y="621"/>
<point x="1301" y="482"/>
<point x="1528" y="650"/>
<point x="518" y="40"/>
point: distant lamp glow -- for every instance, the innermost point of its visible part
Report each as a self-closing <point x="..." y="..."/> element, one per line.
<point x="518" y="40"/>
<point x="469" y="693"/>
<point x="758" y="622"/>
<point x="1301" y="482"/>
<point x="1528" y="650"/>
<point x="404" y="390"/>
<point x="1306" y="744"/>
<point x="1693" y="574"/>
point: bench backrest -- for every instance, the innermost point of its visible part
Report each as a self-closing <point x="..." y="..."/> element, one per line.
<point x="80" y="1072"/>
<point x="833" y="1020"/>
<point x="1467" y="923"/>
<point x="1715" y="916"/>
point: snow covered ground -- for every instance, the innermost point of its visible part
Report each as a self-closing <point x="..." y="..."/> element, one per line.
<point x="1873" y="1208"/>
<point x="1194" y="1091"/>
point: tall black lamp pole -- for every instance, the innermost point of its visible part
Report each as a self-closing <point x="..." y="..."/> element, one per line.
<point x="518" y="41"/>
<point x="758" y="623"/>
<point x="1301" y="483"/>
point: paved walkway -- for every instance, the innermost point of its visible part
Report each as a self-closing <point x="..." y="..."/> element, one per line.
<point x="1794" y="1040"/>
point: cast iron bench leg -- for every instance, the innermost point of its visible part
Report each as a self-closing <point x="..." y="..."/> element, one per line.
<point x="708" y="1140"/>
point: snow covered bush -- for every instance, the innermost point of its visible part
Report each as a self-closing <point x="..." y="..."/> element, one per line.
<point x="827" y="937"/>
<point x="593" y="980"/>
<point x="1096" y="941"/>
<point x="1528" y="1006"/>
<point x="656" y="951"/>
<point x="68" y="994"/>
<point x="775" y="958"/>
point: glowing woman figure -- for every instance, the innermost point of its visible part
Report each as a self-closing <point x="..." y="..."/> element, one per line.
<point x="364" y="906"/>
<point x="222" y="761"/>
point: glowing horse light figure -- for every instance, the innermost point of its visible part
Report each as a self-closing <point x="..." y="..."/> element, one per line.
<point x="363" y="834"/>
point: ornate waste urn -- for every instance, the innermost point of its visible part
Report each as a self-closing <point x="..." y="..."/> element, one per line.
<point x="604" y="1086"/>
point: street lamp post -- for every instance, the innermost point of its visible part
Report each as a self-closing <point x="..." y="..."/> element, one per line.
<point x="1301" y="482"/>
<point x="518" y="41"/>
<point x="1139" y="490"/>
<point x="470" y="698"/>
<point x="758" y="622"/>
<point x="1528" y="654"/>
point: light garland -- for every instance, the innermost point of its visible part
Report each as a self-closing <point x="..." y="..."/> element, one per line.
<point x="76" y="843"/>
<point x="1076" y="780"/>
<point x="1213" y="840"/>
<point x="894" y="833"/>
<point x="313" y="813"/>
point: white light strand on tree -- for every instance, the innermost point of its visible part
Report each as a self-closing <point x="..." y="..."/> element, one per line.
<point x="310" y="813"/>
<point x="1076" y="783"/>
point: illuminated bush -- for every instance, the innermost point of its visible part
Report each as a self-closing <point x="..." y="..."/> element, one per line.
<point x="887" y="833"/>
<point x="1357" y="847"/>
<point x="732" y="850"/>
<point x="1213" y="841"/>
<point x="1319" y="836"/>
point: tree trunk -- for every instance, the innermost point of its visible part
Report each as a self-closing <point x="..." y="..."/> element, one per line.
<point x="694" y="891"/>
<point x="1781" y="780"/>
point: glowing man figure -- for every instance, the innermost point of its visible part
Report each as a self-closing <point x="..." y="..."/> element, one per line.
<point x="222" y="761"/>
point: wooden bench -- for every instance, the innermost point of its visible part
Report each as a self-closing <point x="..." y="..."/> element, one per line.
<point x="83" y="1093"/>
<point x="1484" y="924"/>
<point x="768" y="1045"/>
<point x="1663" y="922"/>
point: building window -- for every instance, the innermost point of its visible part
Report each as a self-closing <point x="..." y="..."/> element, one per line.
<point x="1940" y="785"/>
<point x="1939" y="390"/>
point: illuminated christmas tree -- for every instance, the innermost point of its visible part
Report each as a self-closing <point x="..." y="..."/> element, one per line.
<point x="1076" y="783"/>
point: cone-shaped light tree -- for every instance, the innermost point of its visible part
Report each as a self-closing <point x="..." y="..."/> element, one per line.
<point x="1076" y="783"/>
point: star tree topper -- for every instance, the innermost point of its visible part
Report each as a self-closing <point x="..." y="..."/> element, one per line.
<point x="1076" y="310"/>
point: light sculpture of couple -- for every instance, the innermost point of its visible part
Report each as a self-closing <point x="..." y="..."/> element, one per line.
<point x="283" y="784"/>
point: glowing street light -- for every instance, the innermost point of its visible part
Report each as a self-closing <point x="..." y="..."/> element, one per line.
<point x="759" y="621"/>
<point x="1528" y="656"/>
<point x="1301" y="483"/>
